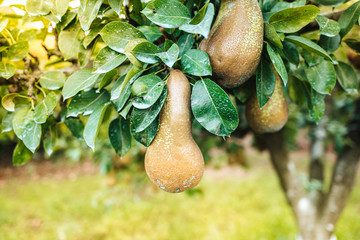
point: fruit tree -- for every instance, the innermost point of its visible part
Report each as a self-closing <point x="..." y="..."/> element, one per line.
<point x="151" y="71"/>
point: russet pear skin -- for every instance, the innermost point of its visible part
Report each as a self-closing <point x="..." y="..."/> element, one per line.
<point x="273" y="116"/>
<point x="173" y="161"/>
<point x="235" y="42"/>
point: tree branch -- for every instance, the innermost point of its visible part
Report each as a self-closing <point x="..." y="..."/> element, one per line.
<point x="344" y="174"/>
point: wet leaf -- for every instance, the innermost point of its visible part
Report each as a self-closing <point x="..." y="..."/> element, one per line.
<point x="21" y="154"/>
<point x="93" y="125"/>
<point x="166" y="13"/>
<point x="78" y="81"/>
<point x="308" y="45"/>
<point x="142" y="118"/>
<point x="265" y="82"/>
<point x="347" y="77"/>
<point x="169" y="57"/>
<point x="86" y="102"/>
<point x="118" y="34"/>
<point x="52" y="80"/>
<point x="108" y="59"/>
<point x="322" y="77"/>
<point x="147" y="90"/>
<point x="120" y="136"/>
<point x="213" y="108"/>
<point x="291" y="20"/>
<point x="196" y="62"/>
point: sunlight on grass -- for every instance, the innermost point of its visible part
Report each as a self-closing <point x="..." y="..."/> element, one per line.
<point x="234" y="207"/>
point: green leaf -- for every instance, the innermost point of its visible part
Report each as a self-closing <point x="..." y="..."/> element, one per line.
<point x="28" y="35"/>
<point x="7" y="70"/>
<point x="49" y="141"/>
<point x="59" y="8"/>
<point x="18" y="51"/>
<point x="21" y="118"/>
<point x="316" y="104"/>
<point x="118" y="34"/>
<point x="84" y="55"/>
<point x="6" y="124"/>
<point x="126" y="110"/>
<point x="330" y="3"/>
<point x="322" y="77"/>
<point x="78" y="81"/>
<point x="21" y="154"/>
<point x="291" y="53"/>
<point x="354" y="44"/>
<point x="38" y="7"/>
<point x="31" y="135"/>
<point x="328" y="27"/>
<point x="308" y="45"/>
<point x="169" y="57"/>
<point x="272" y="36"/>
<point x="265" y="82"/>
<point x="92" y="35"/>
<point x="122" y="82"/>
<point x="120" y="136"/>
<point x="185" y="43"/>
<point x="147" y="90"/>
<point x="76" y="127"/>
<point x="67" y="19"/>
<point x="202" y="27"/>
<point x="86" y="102"/>
<point x="107" y="79"/>
<point x="3" y="23"/>
<point x="69" y="41"/>
<point x="347" y="77"/>
<point x="52" y="80"/>
<point x="88" y="13"/>
<point x="196" y="62"/>
<point x="283" y="5"/>
<point x="108" y="59"/>
<point x="146" y="52"/>
<point x="93" y="125"/>
<point x="330" y="44"/>
<point x="116" y="6"/>
<point x="147" y="136"/>
<point x="142" y="118"/>
<point x="349" y="18"/>
<point x="151" y="33"/>
<point x="213" y="108"/>
<point x="8" y="101"/>
<point x="166" y="13"/>
<point x="278" y="63"/>
<point x="120" y="102"/>
<point x="291" y="20"/>
<point x="45" y="108"/>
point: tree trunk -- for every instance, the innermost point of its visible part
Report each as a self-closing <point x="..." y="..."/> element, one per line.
<point x="316" y="212"/>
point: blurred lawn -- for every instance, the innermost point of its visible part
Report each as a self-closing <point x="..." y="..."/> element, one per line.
<point x="247" y="206"/>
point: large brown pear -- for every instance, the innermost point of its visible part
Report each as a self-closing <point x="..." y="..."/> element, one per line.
<point x="273" y="116"/>
<point x="174" y="161"/>
<point x="235" y="42"/>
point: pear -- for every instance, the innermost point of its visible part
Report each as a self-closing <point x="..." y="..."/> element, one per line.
<point x="273" y="116"/>
<point x="174" y="161"/>
<point x="235" y="42"/>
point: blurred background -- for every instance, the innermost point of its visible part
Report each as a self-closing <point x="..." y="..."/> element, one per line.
<point x="80" y="195"/>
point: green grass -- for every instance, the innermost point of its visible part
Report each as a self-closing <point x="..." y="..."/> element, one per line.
<point x="250" y="207"/>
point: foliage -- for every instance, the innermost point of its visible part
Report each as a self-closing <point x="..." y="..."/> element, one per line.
<point x="111" y="62"/>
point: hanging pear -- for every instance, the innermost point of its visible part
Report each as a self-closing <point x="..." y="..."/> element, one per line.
<point x="235" y="42"/>
<point x="273" y="116"/>
<point x="174" y="161"/>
